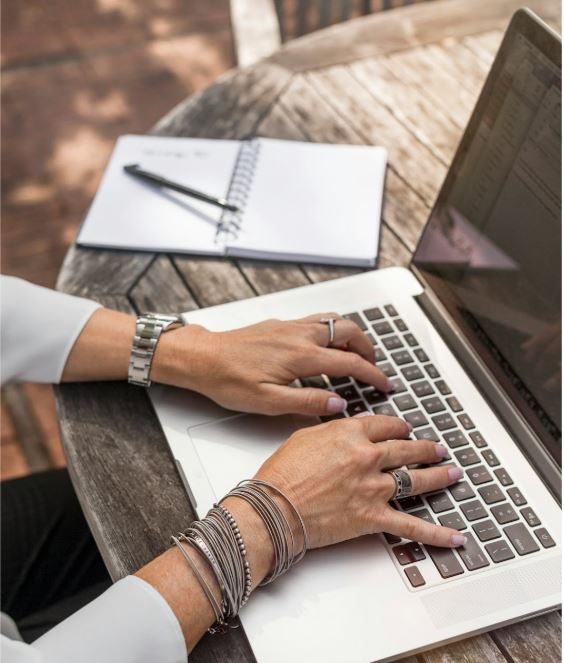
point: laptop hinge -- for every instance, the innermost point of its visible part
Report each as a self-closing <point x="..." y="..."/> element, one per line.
<point x="496" y="397"/>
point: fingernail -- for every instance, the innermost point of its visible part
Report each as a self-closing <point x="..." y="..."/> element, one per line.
<point x="454" y="473"/>
<point x="336" y="404"/>
<point x="409" y="426"/>
<point x="363" y="414"/>
<point x="389" y="385"/>
<point x="458" y="540"/>
<point x="442" y="452"/>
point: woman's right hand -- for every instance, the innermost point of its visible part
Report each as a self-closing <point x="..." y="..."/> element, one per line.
<point x="336" y="474"/>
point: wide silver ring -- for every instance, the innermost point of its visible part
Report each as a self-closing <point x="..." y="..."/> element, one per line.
<point x="330" y="322"/>
<point x="403" y="483"/>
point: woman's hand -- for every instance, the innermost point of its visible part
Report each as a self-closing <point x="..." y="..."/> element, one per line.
<point x="336" y="475"/>
<point x="250" y="369"/>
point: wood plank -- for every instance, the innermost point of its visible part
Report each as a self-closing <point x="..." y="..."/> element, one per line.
<point x="88" y="272"/>
<point x="471" y="650"/>
<point x="538" y="639"/>
<point x="401" y="29"/>
<point x="266" y="277"/>
<point x="161" y="289"/>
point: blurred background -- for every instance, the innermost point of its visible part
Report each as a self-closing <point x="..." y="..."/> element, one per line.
<point x="75" y="75"/>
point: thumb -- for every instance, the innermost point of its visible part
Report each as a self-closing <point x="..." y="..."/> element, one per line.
<point x="307" y="400"/>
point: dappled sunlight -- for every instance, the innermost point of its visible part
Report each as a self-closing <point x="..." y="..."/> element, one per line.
<point x="112" y="106"/>
<point x="130" y="9"/>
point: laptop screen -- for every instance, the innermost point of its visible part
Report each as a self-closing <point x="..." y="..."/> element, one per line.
<point x="491" y="250"/>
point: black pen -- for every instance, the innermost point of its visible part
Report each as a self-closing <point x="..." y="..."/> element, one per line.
<point x="133" y="169"/>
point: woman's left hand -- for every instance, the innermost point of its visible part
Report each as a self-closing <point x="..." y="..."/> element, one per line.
<point x="251" y="369"/>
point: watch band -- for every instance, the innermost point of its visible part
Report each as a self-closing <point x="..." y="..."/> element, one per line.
<point x="147" y="333"/>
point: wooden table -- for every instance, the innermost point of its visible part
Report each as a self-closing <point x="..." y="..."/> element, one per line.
<point x="406" y="79"/>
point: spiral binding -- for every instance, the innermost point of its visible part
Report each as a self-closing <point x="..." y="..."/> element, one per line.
<point x="229" y="224"/>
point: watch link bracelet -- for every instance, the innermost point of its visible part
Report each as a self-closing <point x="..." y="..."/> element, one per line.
<point x="148" y="329"/>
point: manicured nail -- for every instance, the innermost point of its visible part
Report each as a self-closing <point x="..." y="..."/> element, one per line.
<point x="389" y="386"/>
<point x="458" y="540"/>
<point x="442" y="452"/>
<point x="336" y="404"/>
<point x="409" y="426"/>
<point x="363" y="414"/>
<point x="454" y="473"/>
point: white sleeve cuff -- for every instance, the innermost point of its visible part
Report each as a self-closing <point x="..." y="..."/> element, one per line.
<point x="129" y="623"/>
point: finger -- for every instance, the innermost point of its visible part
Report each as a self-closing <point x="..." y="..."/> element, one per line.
<point x="306" y="400"/>
<point x="349" y="335"/>
<point x="432" y="478"/>
<point x="379" y="428"/>
<point x="337" y="363"/>
<point x="395" y="453"/>
<point x="316" y="317"/>
<point x="417" y="529"/>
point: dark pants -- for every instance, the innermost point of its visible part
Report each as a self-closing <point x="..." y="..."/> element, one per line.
<point x="50" y="564"/>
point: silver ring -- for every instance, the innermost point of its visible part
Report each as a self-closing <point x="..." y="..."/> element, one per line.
<point x="330" y="322"/>
<point x="403" y="483"/>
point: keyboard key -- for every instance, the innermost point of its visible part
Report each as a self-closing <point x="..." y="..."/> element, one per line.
<point x="530" y="517"/>
<point x="373" y="314"/>
<point x="356" y="407"/>
<point x="411" y="502"/>
<point x="402" y="357"/>
<point x="454" y="404"/>
<point x="409" y="553"/>
<point x="452" y="520"/>
<point x="504" y="513"/>
<point x="433" y="405"/>
<point x="432" y="371"/>
<point x="499" y="551"/>
<point x="411" y="373"/>
<point x="422" y="388"/>
<point x="355" y="317"/>
<point x="516" y="496"/>
<point x="385" y="409"/>
<point x="462" y="491"/>
<point x="392" y="342"/>
<point x="362" y="385"/>
<point x="491" y="494"/>
<point x="397" y="385"/>
<point x="375" y="397"/>
<point x="317" y="382"/>
<point x="478" y="440"/>
<point x="370" y="337"/>
<point x="490" y="458"/>
<point x="382" y="328"/>
<point x="390" y="310"/>
<point x="544" y="537"/>
<point x="421" y="355"/>
<point x="410" y="340"/>
<point x="473" y="510"/>
<point x="455" y="439"/>
<point x="466" y="422"/>
<point x="391" y="538"/>
<point x="427" y="434"/>
<point x="443" y="387"/>
<point x="467" y="457"/>
<point x="414" y="576"/>
<point x="388" y="369"/>
<point x="379" y="355"/>
<point x="486" y="530"/>
<point x="349" y="393"/>
<point x="472" y="554"/>
<point x="404" y="402"/>
<point x="416" y="419"/>
<point x="479" y="475"/>
<point x="424" y="514"/>
<point x="400" y="325"/>
<point x="336" y="382"/>
<point x="520" y="539"/>
<point x="440" y="502"/>
<point x="503" y="477"/>
<point x="445" y="561"/>
<point x="443" y="421"/>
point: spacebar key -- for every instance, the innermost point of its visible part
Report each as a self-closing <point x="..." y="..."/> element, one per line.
<point x="445" y="561"/>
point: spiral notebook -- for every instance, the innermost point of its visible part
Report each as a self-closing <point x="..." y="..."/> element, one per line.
<point x="299" y="201"/>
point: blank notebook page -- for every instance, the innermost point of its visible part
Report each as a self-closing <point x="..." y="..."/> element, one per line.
<point x="310" y="199"/>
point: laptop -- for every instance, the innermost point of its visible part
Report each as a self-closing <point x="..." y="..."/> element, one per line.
<point x="470" y="334"/>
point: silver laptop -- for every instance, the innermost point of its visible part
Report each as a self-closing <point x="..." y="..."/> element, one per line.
<point x="470" y="334"/>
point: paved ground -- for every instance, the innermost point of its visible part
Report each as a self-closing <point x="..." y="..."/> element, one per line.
<point x="75" y="75"/>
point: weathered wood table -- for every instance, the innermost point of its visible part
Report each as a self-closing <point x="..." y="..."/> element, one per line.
<point x="406" y="79"/>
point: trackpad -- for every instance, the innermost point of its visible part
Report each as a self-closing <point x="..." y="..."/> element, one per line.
<point x="233" y="449"/>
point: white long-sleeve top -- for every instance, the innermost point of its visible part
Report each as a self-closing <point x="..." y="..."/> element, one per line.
<point x="131" y="622"/>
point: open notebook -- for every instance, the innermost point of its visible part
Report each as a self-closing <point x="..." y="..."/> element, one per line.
<point x="297" y="201"/>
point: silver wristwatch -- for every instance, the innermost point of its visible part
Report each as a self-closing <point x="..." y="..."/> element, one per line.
<point x="147" y="332"/>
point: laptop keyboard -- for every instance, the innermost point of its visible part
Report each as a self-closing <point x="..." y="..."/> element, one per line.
<point x="485" y="504"/>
